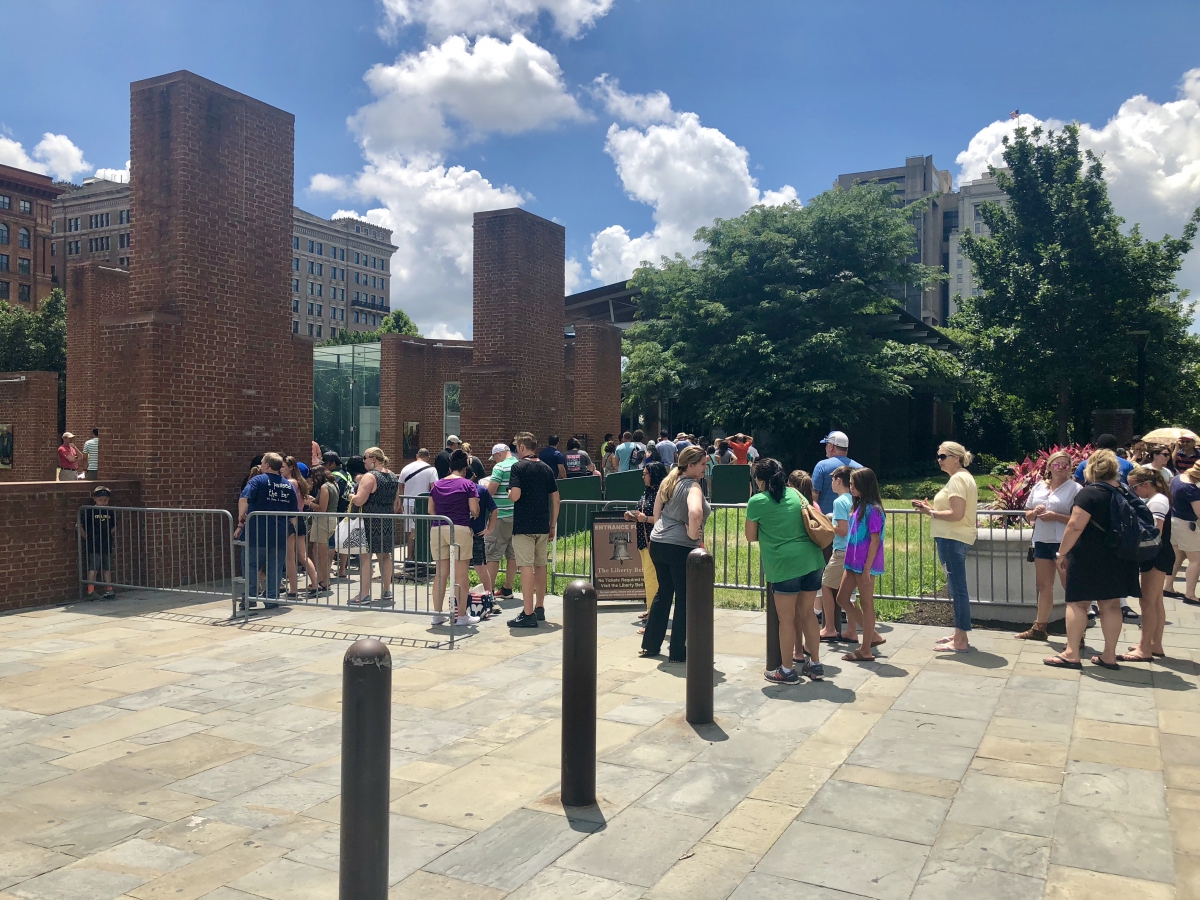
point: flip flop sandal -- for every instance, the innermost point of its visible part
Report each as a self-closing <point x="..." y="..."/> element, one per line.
<point x="831" y="639"/>
<point x="1110" y="666"/>
<point x="854" y="657"/>
<point x="1129" y="657"/>
<point x="948" y="648"/>
<point x="878" y="642"/>
<point x="848" y="640"/>
<point x="1057" y="662"/>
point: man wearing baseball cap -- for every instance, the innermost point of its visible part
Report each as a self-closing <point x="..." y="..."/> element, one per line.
<point x="68" y="458"/>
<point x="442" y="462"/>
<point x="498" y="544"/>
<point x="836" y="444"/>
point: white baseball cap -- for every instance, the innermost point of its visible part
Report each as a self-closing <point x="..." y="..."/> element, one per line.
<point x="837" y="438"/>
<point x="499" y="448"/>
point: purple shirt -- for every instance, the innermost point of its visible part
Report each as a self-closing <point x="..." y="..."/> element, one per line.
<point x="452" y="498"/>
<point x="859" y="540"/>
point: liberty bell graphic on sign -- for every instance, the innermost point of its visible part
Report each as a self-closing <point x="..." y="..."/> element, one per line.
<point x="620" y="546"/>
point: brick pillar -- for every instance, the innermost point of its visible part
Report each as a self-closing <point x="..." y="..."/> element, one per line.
<point x="515" y="380"/>
<point x="201" y="371"/>
<point x="597" y="368"/>
<point x="29" y="404"/>
<point x="95" y="292"/>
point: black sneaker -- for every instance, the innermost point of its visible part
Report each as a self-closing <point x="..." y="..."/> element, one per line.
<point x="523" y="621"/>
<point x="815" y="671"/>
<point x="1129" y="615"/>
<point x="504" y="593"/>
<point x="540" y="613"/>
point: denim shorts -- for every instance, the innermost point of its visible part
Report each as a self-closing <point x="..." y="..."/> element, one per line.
<point x="809" y="582"/>
<point x="1045" y="550"/>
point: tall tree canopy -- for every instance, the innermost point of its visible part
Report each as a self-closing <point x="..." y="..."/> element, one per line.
<point x="34" y="341"/>
<point x="766" y="326"/>
<point x="1064" y="287"/>
<point x="395" y="322"/>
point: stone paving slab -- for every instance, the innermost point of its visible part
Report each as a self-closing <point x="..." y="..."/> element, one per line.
<point x="150" y="749"/>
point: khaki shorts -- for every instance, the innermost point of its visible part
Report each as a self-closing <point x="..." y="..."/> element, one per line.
<point x="530" y="549"/>
<point x="442" y="536"/>
<point x="321" y="528"/>
<point x="499" y="544"/>
<point x="832" y="577"/>
<point x="1184" y="537"/>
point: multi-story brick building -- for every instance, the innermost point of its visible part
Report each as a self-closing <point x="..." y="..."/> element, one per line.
<point x="340" y="272"/>
<point x="340" y="275"/>
<point x="27" y="267"/>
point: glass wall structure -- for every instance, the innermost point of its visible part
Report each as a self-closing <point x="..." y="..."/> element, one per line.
<point x="346" y="398"/>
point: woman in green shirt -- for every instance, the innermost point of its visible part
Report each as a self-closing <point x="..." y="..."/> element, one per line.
<point x="792" y="564"/>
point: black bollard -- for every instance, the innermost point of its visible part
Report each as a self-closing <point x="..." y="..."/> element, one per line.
<point x="701" y="573"/>
<point x="774" y="654"/>
<point x="366" y="770"/>
<point x="579" y="695"/>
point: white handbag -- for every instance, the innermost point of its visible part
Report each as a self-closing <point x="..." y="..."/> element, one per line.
<point x="350" y="534"/>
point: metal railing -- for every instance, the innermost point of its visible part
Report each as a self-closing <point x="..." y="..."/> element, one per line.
<point x="155" y="549"/>
<point x="998" y="570"/>
<point x="363" y="561"/>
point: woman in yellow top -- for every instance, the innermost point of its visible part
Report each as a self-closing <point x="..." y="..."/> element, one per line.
<point x="953" y="513"/>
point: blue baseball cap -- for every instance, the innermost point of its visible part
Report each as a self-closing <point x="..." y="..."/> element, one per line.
<point x="837" y="438"/>
<point x="303" y="469"/>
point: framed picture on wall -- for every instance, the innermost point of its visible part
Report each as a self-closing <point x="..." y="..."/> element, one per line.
<point x="412" y="439"/>
<point x="6" y="447"/>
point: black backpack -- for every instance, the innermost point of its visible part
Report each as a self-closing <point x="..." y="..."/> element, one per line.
<point x="1132" y="534"/>
<point x="637" y="457"/>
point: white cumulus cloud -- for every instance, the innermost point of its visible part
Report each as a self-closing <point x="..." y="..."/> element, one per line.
<point x="457" y="90"/>
<point x="443" y="332"/>
<point x="121" y="175"/>
<point x="504" y="17"/>
<point x="1151" y="155"/>
<point x="54" y="155"/>
<point x="688" y="173"/>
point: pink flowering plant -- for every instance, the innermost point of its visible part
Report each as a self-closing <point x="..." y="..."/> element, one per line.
<point x="1014" y="490"/>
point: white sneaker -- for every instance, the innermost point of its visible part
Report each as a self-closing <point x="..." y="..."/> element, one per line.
<point x="467" y="620"/>
<point x="440" y="619"/>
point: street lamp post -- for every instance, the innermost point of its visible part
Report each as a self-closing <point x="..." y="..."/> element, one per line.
<point x="1143" y="337"/>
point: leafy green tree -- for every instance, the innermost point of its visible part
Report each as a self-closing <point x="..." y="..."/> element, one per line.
<point x="1064" y="287"/>
<point x="649" y="377"/>
<point x="768" y="325"/>
<point x="34" y="341"/>
<point x="395" y="322"/>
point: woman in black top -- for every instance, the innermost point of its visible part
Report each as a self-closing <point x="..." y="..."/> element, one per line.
<point x="377" y="494"/>
<point x="652" y="476"/>
<point x="1093" y="571"/>
<point x="1151" y="486"/>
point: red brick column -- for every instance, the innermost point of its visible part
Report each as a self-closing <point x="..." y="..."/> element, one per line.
<point x="29" y="404"/>
<point x="515" y="381"/>
<point x="597" y="384"/>
<point x="94" y="292"/>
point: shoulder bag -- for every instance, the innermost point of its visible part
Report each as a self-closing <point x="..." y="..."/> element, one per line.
<point x="816" y="524"/>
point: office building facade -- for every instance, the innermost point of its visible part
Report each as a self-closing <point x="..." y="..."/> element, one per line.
<point x="340" y="278"/>
<point x="27" y="273"/>
<point x="971" y="194"/>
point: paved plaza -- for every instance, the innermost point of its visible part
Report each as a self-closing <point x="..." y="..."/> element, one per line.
<point x="149" y="750"/>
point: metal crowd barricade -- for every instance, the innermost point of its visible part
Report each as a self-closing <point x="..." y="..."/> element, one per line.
<point x="998" y="570"/>
<point x="294" y="559"/>
<point x="155" y="549"/>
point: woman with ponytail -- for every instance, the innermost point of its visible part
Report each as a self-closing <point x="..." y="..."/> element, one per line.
<point x="792" y="564"/>
<point x="680" y="511"/>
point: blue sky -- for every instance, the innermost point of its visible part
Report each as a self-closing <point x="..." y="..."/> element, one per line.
<point x="808" y="90"/>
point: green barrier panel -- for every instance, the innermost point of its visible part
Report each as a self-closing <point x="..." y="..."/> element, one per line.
<point x="730" y="484"/>
<point x="624" y="486"/>
<point x="422" y="552"/>
<point x="571" y="518"/>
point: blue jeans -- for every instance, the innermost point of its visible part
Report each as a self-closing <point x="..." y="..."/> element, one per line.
<point x="953" y="555"/>
<point x="272" y="559"/>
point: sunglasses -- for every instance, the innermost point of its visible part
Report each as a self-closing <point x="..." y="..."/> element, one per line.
<point x="942" y="457"/>
<point x="1061" y="465"/>
<point x="102" y="494"/>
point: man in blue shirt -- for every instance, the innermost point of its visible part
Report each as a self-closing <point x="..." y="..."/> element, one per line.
<point x="552" y="456"/>
<point x="266" y="536"/>
<point x="836" y="444"/>
<point x="625" y="451"/>
<point x="666" y="449"/>
<point x="1106" y="442"/>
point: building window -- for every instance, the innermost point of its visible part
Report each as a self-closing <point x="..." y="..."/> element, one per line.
<point x="320" y="269"/>
<point x="959" y="278"/>
<point x="26" y="208"/>
<point x="958" y="263"/>
<point x="123" y="217"/>
<point x="355" y="314"/>
<point x="381" y="284"/>
<point x="295" y="305"/>
<point x="312" y="267"/>
<point x="3" y="233"/>
<point x="72" y="248"/>
<point x="23" y="238"/>
<point x="3" y="262"/>
<point x="357" y="229"/>
<point x="383" y="264"/>
<point x="5" y="202"/>
<point x="73" y="224"/>
<point x="333" y="252"/>
<point x="978" y="227"/>
<point x="342" y="255"/>
<point x="312" y="288"/>
<point x="295" y="243"/>
<point x="310" y="246"/>
<point x="295" y="264"/>
<point x="310" y="309"/>
<point x="24" y="293"/>
<point x="320" y="248"/>
<point x="373" y="261"/>
<point x="320" y="289"/>
<point x="295" y="285"/>
<point x="24" y="266"/>
<point x="3" y="290"/>
<point x="356" y="262"/>
<point x="124" y="240"/>
<point x="123" y="262"/>
<point x="451" y="408"/>
<point x="310" y="329"/>
<point x="318" y="310"/>
<point x="295" y="327"/>
<point x="318" y="331"/>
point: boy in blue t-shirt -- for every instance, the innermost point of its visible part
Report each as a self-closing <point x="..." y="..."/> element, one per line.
<point x="482" y="525"/>
<point x="831" y="579"/>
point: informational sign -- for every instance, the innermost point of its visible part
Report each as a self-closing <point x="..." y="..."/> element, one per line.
<point x="616" y="560"/>
<point x="6" y="446"/>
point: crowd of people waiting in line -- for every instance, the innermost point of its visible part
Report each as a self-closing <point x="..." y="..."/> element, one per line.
<point x="821" y="536"/>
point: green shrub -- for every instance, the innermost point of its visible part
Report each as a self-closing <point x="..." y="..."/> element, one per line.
<point x="891" y="492"/>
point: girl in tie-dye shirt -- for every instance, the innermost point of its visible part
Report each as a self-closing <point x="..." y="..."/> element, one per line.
<point x="864" y="561"/>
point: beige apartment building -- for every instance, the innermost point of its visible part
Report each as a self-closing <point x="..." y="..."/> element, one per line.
<point x="340" y="277"/>
<point x="971" y="195"/>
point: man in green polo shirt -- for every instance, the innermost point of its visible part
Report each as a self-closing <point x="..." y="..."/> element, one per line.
<point x="498" y="544"/>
